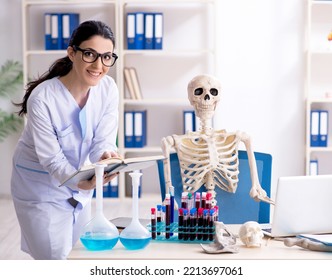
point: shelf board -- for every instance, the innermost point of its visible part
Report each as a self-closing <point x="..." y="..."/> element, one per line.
<point x="320" y="149"/>
<point x="159" y="102"/>
<point x="320" y="2"/>
<point x="163" y="2"/>
<point x="168" y="52"/>
<point x="321" y="51"/>
<point x="320" y="100"/>
<point x="68" y="2"/>
<point x="46" y="52"/>
<point x="144" y="150"/>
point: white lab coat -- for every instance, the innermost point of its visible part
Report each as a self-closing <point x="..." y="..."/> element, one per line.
<point x="59" y="137"/>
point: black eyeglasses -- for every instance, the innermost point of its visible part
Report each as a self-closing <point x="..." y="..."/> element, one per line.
<point x="90" y="56"/>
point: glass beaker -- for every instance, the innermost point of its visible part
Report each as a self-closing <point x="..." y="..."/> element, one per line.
<point x="135" y="235"/>
<point x="99" y="234"/>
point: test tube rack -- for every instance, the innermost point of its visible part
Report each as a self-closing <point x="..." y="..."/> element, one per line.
<point x="183" y="234"/>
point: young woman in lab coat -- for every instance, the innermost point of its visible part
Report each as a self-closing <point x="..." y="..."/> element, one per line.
<point x="72" y="118"/>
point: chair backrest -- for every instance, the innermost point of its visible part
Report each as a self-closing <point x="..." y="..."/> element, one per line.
<point x="234" y="208"/>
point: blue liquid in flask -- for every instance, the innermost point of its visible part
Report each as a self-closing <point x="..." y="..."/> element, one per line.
<point x="98" y="243"/>
<point x="135" y="243"/>
<point x="99" y="234"/>
<point x="135" y="236"/>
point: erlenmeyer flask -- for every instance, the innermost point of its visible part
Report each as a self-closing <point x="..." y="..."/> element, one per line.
<point x="135" y="236"/>
<point x="99" y="233"/>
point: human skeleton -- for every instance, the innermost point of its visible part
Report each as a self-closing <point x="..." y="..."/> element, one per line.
<point x="210" y="157"/>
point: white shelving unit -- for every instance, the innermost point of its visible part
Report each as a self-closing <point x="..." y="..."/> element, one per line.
<point x="318" y="79"/>
<point x="188" y="50"/>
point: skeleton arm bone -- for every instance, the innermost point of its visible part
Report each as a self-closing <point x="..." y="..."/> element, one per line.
<point x="307" y="244"/>
<point x="256" y="192"/>
<point x="167" y="143"/>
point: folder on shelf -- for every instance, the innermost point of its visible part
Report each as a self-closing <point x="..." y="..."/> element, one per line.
<point x="135" y="31"/>
<point x="189" y="121"/>
<point x="47" y="30"/>
<point x="323" y="128"/>
<point x="139" y="31"/>
<point x="129" y="83"/>
<point x="56" y="31"/>
<point x="105" y="191"/>
<point x="313" y="167"/>
<point x="158" y="31"/>
<point x="314" y="128"/>
<point x="140" y="129"/>
<point x="113" y="188"/>
<point x="129" y="129"/>
<point x="69" y="22"/>
<point x="148" y="30"/>
<point x="131" y="27"/>
<point x="136" y="84"/>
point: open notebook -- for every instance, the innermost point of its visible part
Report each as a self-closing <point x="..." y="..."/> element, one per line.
<point x="303" y="205"/>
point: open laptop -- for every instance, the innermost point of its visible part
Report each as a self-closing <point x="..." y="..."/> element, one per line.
<point x="303" y="204"/>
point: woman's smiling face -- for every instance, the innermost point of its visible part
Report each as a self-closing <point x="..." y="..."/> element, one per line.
<point x="90" y="74"/>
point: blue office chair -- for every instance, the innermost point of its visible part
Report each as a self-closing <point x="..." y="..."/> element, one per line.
<point x="234" y="208"/>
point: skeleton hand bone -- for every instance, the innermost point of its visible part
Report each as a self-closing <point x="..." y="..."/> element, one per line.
<point x="258" y="194"/>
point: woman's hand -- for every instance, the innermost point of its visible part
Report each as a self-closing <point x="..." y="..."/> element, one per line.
<point x="108" y="154"/>
<point x="91" y="184"/>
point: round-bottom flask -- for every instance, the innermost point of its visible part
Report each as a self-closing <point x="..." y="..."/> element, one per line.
<point x="135" y="236"/>
<point x="99" y="233"/>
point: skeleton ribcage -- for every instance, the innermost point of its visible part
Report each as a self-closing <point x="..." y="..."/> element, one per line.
<point x="203" y="156"/>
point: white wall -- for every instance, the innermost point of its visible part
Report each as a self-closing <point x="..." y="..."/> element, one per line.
<point x="10" y="48"/>
<point x="260" y="65"/>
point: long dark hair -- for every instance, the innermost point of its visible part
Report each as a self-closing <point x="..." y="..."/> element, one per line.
<point x="62" y="66"/>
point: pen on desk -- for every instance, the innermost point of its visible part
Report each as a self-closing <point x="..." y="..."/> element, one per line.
<point x="158" y="218"/>
<point x="153" y="223"/>
<point x="167" y="215"/>
<point x="180" y="224"/>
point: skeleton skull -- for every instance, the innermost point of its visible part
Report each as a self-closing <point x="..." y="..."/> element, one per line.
<point x="251" y="234"/>
<point x="204" y="95"/>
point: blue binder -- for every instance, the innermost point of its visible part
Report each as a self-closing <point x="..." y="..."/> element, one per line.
<point x="69" y="22"/>
<point x="323" y="128"/>
<point x="140" y="129"/>
<point x="114" y="187"/>
<point x="47" y="30"/>
<point x="139" y="31"/>
<point x="158" y="31"/>
<point x="105" y="191"/>
<point x="314" y="128"/>
<point x="148" y="30"/>
<point x="56" y="31"/>
<point x="189" y="121"/>
<point x="313" y="167"/>
<point x="129" y="129"/>
<point x="131" y="27"/>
